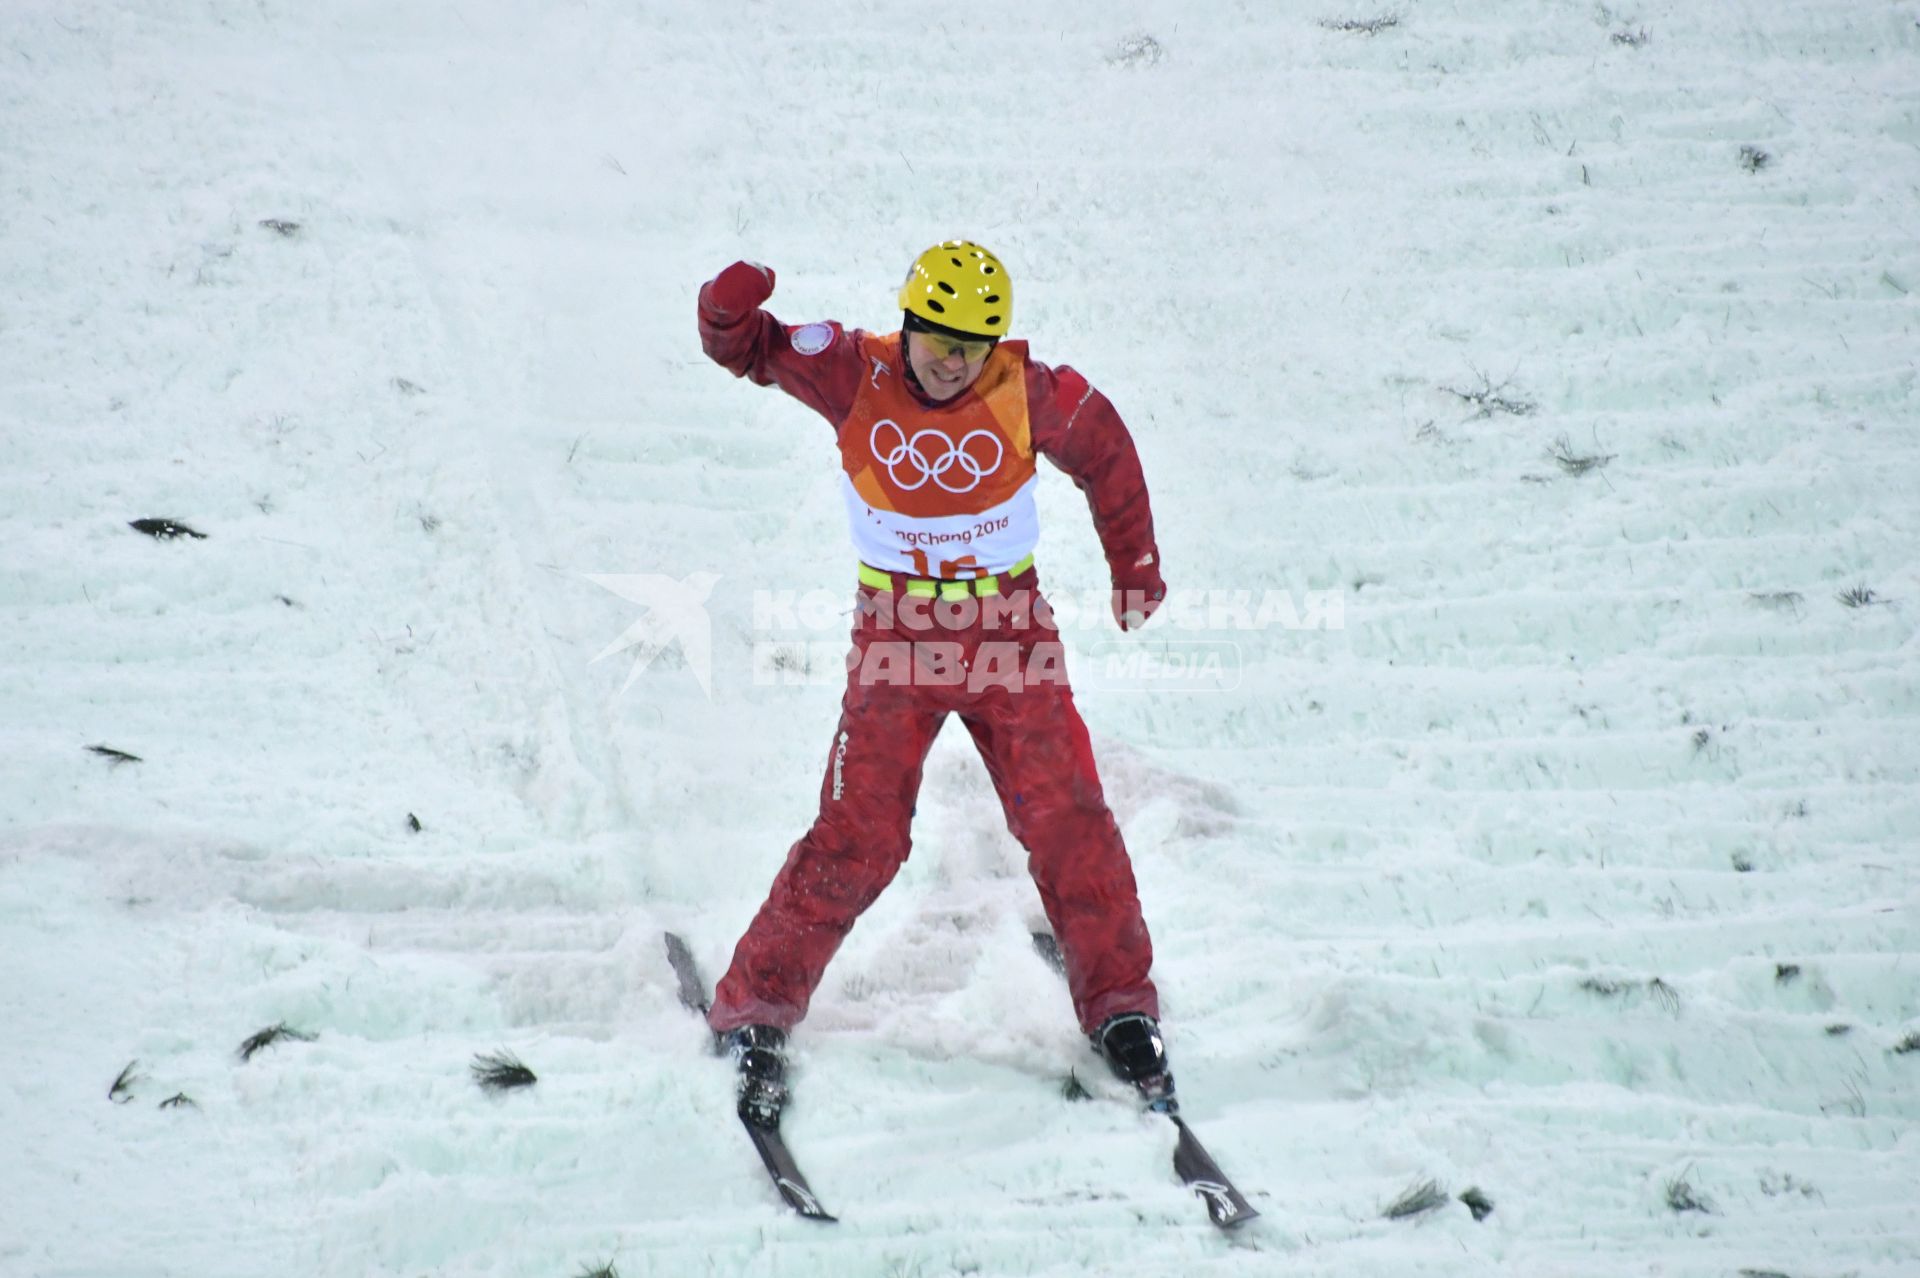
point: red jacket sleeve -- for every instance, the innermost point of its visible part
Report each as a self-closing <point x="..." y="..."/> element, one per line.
<point x="1076" y="428"/>
<point x="760" y="348"/>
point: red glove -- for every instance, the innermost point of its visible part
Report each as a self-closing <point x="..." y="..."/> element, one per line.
<point x="1138" y="591"/>
<point x="737" y="292"/>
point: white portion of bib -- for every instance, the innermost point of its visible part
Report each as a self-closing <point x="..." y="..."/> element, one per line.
<point x="964" y="545"/>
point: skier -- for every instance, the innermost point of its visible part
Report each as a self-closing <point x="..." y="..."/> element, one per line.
<point x="938" y="427"/>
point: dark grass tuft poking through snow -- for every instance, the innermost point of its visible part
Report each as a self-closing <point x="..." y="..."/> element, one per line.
<point x="1488" y="399"/>
<point x="1418" y="1200"/>
<point x="267" y="1037"/>
<point x="1682" y="1197"/>
<point x="1362" y="26"/>
<point x="1858" y="597"/>
<point x="121" y="1090"/>
<point x="165" y="529"/>
<point x="501" y="1072"/>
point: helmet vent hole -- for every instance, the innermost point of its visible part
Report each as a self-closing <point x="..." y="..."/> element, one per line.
<point x="993" y="321"/>
<point x="955" y="261"/>
<point x="991" y="299"/>
<point x="986" y="268"/>
<point x="948" y="290"/>
<point x="935" y="304"/>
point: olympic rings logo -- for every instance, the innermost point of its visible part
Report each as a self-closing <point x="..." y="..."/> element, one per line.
<point x="930" y="454"/>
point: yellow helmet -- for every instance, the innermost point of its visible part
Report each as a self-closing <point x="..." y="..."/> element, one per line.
<point x="960" y="286"/>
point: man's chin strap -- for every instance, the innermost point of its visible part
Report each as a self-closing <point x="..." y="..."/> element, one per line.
<point x="913" y="378"/>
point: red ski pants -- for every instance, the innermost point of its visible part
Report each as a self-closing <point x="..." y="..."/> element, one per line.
<point x="997" y="663"/>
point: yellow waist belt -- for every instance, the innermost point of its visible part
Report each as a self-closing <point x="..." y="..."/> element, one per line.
<point x="986" y="585"/>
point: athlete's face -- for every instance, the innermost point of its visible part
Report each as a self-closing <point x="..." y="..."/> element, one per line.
<point x="945" y="366"/>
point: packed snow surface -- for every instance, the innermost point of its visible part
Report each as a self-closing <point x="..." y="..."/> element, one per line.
<point x="1554" y="361"/>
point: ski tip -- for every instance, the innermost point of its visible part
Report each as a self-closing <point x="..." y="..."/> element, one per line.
<point x="804" y="1204"/>
<point x="1237" y="1219"/>
<point x="1225" y="1207"/>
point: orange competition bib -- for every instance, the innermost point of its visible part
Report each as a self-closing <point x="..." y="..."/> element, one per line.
<point x="944" y="491"/>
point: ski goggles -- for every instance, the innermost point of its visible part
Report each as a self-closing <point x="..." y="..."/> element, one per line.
<point x="942" y="346"/>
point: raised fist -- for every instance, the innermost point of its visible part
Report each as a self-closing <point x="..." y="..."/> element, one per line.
<point x="737" y="291"/>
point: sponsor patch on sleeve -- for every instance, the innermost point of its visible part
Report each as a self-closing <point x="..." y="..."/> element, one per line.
<point x="811" y="339"/>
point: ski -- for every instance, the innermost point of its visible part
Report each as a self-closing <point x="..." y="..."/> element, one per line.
<point x="1198" y="1172"/>
<point x="1048" y="949"/>
<point x="693" y="991"/>
<point x="767" y="1142"/>
<point x="1226" y="1207"/>
<point x="786" y="1176"/>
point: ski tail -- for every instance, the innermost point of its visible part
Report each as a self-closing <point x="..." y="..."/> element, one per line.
<point x="1198" y="1172"/>
<point x="1195" y="1167"/>
<point x="1048" y="949"/>
<point x="767" y="1142"/>
<point x="693" y="992"/>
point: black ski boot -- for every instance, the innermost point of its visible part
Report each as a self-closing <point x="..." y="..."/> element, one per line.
<point x="1131" y="1045"/>
<point x="758" y="1052"/>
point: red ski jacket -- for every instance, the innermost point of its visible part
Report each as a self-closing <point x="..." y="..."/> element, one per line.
<point x="1073" y="425"/>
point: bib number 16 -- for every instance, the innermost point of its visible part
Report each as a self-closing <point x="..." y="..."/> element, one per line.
<point x="950" y="569"/>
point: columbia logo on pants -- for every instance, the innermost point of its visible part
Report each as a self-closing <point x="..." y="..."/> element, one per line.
<point x="839" y="764"/>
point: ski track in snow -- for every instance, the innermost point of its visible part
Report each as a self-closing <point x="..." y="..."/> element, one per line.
<point x="1578" y="866"/>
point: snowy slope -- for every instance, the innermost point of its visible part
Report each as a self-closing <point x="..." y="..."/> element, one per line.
<point x="1578" y="865"/>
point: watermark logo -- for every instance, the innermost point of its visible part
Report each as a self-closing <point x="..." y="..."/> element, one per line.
<point x="1199" y="640"/>
<point x="1180" y="665"/>
<point x="676" y="614"/>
